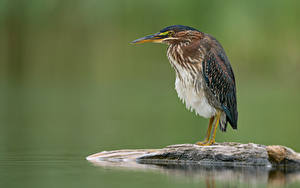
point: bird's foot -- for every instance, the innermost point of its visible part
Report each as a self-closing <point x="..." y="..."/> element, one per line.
<point x="205" y="143"/>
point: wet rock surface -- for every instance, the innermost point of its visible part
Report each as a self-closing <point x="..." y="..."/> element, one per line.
<point x="219" y="154"/>
<point x="252" y="163"/>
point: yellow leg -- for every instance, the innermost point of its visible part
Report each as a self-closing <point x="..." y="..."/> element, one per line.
<point x="211" y="121"/>
<point x="212" y="140"/>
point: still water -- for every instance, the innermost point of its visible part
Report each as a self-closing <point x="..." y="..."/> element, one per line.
<point x="47" y="131"/>
<point x="71" y="170"/>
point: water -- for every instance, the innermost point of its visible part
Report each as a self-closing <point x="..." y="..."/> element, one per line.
<point x="70" y="170"/>
<point x="47" y="131"/>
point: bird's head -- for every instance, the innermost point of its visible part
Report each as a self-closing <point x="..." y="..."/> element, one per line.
<point x="171" y="34"/>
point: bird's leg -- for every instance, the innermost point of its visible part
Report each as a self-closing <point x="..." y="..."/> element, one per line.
<point x="211" y="121"/>
<point x="212" y="140"/>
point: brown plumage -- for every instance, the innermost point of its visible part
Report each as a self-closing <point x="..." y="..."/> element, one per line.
<point x="204" y="78"/>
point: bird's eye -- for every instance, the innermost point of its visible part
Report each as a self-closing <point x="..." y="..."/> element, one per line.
<point x="171" y="33"/>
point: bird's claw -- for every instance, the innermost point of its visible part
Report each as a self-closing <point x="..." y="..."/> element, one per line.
<point x="205" y="143"/>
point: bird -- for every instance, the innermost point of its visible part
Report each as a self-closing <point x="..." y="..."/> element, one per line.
<point x="205" y="81"/>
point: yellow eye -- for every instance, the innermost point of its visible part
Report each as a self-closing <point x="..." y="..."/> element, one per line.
<point x="171" y="33"/>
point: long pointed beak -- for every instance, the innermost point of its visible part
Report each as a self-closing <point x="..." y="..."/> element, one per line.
<point x="156" y="38"/>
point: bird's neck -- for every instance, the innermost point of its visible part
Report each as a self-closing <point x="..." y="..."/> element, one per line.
<point x="185" y="71"/>
<point x="175" y="54"/>
<point x="186" y="53"/>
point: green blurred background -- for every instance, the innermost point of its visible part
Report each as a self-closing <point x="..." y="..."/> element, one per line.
<point x="71" y="84"/>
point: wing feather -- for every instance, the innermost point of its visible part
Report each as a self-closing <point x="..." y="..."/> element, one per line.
<point x="220" y="81"/>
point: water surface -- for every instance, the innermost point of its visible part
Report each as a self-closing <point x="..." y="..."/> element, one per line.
<point x="46" y="133"/>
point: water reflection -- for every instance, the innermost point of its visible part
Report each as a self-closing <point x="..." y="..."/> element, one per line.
<point x="212" y="174"/>
<point x="248" y="175"/>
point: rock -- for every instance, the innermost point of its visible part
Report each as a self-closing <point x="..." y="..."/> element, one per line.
<point x="281" y="156"/>
<point x="220" y="154"/>
<point x="252" y="163"/>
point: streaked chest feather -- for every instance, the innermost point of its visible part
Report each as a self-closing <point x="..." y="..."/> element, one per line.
<point x="189" y="87"/>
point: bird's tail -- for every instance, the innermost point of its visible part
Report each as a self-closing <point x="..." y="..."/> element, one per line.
<point x="229" y="116"/>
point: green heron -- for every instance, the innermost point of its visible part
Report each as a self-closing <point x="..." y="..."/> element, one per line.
<point x="204" y="78"/>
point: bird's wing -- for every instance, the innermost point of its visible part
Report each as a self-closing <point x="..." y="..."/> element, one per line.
<point x="219" y="78"/>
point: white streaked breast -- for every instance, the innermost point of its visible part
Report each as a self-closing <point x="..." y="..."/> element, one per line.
<point x="194" y="100"/>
